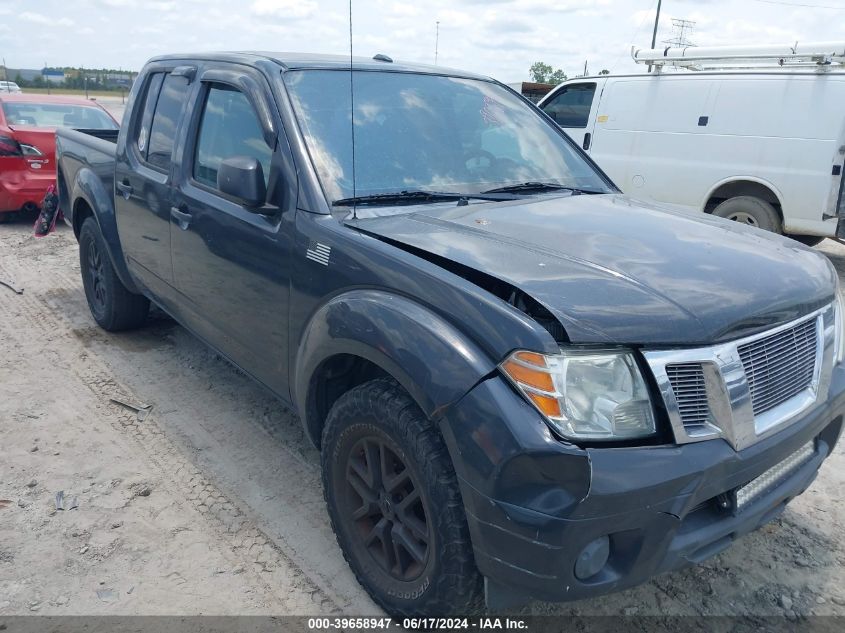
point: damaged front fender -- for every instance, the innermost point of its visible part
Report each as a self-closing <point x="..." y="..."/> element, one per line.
<point x="427" y="355"/>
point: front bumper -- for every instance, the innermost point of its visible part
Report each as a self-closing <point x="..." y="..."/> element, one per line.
<point x="533" y="503"/>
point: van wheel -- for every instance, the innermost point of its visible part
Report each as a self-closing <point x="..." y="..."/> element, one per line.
<point x="394" y="504"/>
<point x="113" y="307"/>
<point x="750" y="211"/>
<point x="808" y="240"/>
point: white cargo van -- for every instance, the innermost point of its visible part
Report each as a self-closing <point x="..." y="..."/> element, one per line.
<point x="755" y="134"/>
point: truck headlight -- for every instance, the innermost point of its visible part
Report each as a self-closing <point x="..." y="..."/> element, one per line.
<point x="585" y="394"/>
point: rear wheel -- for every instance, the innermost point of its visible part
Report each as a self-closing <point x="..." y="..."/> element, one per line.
<point x="750" y="211"/>
<point x="113" y="307"/>
<point x="394" y="504"/>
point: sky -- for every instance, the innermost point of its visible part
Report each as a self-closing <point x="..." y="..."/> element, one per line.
<point x="500" y="38"/>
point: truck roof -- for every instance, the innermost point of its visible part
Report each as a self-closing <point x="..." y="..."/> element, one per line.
<point x="296" y="61"/>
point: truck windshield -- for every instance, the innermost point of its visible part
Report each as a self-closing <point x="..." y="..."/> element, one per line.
<point x="418" y="132"/>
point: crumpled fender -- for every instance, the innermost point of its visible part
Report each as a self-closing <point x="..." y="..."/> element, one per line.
<point x="426" y="354"/>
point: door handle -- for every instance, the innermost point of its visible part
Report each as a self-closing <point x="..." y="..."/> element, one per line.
<point x="125" y="189"/>
<point x="587" y="138"/>
<point x="183" y="218"/>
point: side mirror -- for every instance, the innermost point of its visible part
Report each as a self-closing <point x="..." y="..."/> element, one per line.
<point x="242" y="178"/>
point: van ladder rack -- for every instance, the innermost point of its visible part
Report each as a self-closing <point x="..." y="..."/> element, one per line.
<point x="823" y="56"/>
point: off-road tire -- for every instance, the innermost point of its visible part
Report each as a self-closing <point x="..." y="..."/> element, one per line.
<point x="449" y="582"/>
<point x="751" y="211"/>
<point x="113" y="307"/>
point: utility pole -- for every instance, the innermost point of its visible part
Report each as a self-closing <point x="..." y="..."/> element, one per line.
<point x="436" y="42"/>
<point x="654" y="33"/>
<point x="585" y="68"/>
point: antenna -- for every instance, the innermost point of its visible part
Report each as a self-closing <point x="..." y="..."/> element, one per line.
<point x="680" y="29"/>
<point x="436" y="41"/>
<point x="654" y="33"/>
<point x="352" y="115"/>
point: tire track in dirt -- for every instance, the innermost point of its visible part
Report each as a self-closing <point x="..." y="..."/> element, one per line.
<point x="271" y="565"/>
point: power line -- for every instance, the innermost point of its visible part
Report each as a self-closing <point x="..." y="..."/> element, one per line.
<point x="799" y="4"/>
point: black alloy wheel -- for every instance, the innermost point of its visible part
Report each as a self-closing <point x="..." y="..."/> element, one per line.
<point x="385" y="505"/>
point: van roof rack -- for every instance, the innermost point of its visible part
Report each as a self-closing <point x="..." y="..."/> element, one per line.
<point x="821" y="55"/>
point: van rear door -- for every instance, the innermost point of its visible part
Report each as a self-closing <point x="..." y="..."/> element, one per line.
<point x="573" y="107"/>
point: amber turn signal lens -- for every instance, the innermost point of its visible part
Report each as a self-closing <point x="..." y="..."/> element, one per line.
<point x="548" y="406"/>
<point x="532" y="358"/>
<point x="528" y="376"/>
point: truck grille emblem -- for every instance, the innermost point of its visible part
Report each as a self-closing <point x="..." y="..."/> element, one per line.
<point x="319" y="253"/>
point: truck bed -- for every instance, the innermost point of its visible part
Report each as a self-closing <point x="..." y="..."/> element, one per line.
<point x="77" y="150"/>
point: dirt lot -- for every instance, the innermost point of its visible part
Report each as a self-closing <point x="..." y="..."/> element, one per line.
<point x="212" y="503"/>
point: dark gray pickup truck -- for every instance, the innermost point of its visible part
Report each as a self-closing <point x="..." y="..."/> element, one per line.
<point x="523" y="383"/>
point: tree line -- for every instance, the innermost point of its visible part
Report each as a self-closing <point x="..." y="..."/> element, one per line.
<point x="543" y="73"/>
<point x="75" y="78"/>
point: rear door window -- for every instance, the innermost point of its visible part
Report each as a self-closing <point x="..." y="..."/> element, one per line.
<point x="571" y="106"/>
<point x="162" y="133"/>
<point x="141" y="137"/>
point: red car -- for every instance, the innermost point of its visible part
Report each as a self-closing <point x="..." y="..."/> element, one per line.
<point x="28" y="124"/>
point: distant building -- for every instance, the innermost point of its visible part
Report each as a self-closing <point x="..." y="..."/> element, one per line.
<point x="53" y="76"/>
<point x="27" y="74"/>
<point x="531" y="90"/>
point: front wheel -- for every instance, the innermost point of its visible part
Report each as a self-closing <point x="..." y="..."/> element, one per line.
<point x="394" y="504"/>
<point x="113" y="307"/>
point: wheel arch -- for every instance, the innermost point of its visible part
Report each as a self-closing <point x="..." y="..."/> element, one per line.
<point x="743" y="186"/>
<point x="91" y="199"/>
<point x="365" y="334"/>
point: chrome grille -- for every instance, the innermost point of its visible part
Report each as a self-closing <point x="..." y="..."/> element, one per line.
<point x="746" y="390"/>
<point x="690" y="390"/>
<point x="780" y="366"/>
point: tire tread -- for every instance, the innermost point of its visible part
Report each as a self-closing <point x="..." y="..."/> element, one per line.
<point x="458" y="589"/>
<point x="124" y="310"/>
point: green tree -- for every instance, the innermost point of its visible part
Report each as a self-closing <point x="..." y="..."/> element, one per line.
<point x="556" y="77"/>
<point x="545" y="74"/>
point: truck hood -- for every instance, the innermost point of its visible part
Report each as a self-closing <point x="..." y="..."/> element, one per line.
<point x="616" y="270"/>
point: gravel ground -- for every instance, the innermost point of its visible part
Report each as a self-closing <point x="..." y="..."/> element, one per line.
<point x="212" y="504"/>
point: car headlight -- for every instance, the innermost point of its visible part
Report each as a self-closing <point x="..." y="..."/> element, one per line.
<point x="585" y="394"/>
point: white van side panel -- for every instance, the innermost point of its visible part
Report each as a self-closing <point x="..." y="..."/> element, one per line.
<point x="781" y="130"/>
<point x="642" y="136"/>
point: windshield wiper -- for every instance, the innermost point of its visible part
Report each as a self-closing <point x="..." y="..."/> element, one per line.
<point x="419" y="196"/>
<point x="538" y="186"/>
